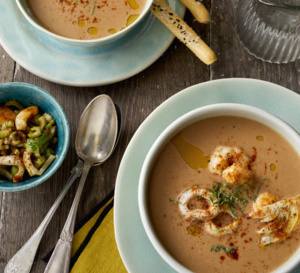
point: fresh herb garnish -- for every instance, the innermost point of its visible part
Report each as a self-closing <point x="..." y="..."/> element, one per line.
<point x="94" y="8"/>
<point x="176" y="202"/>
<point x="218" y="248"/>
<point x="239" y="187"/>
<point x="258" y="190"/>
<point x="76" y="2"/>
<point x="86" y="4"/>
<point x="233" y="199"/>
<point x="193" y="187"/>
<point x="34" y="144"/>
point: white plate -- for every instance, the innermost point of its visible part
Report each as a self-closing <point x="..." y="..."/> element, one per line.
<point x="52" y="60"/>
<point x="136" y="251"/>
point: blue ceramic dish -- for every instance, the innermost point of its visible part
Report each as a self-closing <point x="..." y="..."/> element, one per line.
<point x="107" y="41"/>
<point x="30" y="95"/>
<point x="49" y="58"/>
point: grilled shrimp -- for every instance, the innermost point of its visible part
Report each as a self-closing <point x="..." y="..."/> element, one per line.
<point x="214" y="230"/>
<point x="264" y="199"/>
<point x="232" y="163"/>
<point x="31" y="169"/>
<point x="282" y="216"/>
<point x="197" y="214"/>
<point x="13" y="160"/>
<point x="24" y="116"/>
<point x="6" y="114"/>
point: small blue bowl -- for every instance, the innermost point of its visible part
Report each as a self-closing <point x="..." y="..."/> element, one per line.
<point x="30" y="95"/>
<point x="107" y="41"/>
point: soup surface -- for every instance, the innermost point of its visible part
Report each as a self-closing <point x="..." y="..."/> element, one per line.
<point x="183" y="163"/>
<point x="85" y="19"/>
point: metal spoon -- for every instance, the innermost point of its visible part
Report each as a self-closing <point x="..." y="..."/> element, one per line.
<point x="22" y="261"/>
<point x="95" y="140"/>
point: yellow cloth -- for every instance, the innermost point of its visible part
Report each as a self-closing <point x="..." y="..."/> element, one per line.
<point x="94" y="247"/>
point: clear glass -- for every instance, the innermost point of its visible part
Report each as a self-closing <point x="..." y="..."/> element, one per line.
<point x="269" y="33"/>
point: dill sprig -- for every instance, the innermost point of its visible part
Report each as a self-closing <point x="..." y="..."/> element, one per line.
<point x="218" y="248"/>
<point x="233" y="200"/>
<point x="176" y="202"/>
<point x="239" y="187"/>
<point x="86" y="4"/>
<point x="194" y="186"/>
<point x="94" y="7"/>
<point x="258" y="190"/>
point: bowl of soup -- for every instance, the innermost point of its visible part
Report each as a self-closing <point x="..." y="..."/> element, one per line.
<point x="219" y="192"/>
<point x="84" y="22"/>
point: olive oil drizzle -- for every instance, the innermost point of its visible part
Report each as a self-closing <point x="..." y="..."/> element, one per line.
<point x="192" y="155"/>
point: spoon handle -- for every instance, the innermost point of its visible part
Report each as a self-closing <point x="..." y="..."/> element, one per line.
<point x="60" y="259"/>
<point x="279" y="5"/>
<point x="23" y="259"/>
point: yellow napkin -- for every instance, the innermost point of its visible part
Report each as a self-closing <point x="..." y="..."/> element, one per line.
<point x="94" y="247"/>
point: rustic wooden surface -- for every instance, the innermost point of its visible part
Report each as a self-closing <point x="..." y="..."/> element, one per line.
<point x="138" y="96"/>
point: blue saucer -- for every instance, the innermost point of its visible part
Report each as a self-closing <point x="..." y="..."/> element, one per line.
<point x="73" y="65"/>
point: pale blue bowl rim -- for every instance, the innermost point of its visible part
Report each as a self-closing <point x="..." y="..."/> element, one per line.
<point x="32" y="182"/>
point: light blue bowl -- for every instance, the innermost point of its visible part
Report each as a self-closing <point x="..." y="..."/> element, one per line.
<point x="30" y="95"/>
<point x="107" y="41"/>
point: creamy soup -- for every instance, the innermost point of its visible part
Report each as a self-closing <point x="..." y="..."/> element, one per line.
<point x="85" y="19"/>
<point x="183" y="163"/>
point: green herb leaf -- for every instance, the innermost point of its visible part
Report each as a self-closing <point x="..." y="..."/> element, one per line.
<point x="86" y="4"/>
<point x="258" y="190"/>
<point x="176" y="202"/>
<point x="34" y="145"/>
<point x="193" y="186"/>
<point x="218" y="248"/>
<point x="233" y="199"/>
<point x="94" y="8"/>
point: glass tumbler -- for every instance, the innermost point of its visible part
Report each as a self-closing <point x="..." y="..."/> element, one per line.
<point x="269" y="33"/>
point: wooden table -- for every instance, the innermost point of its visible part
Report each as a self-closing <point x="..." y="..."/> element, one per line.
<point x="138" y="96"/>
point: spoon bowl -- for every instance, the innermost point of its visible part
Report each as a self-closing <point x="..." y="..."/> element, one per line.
<point x="96" y="137"/>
